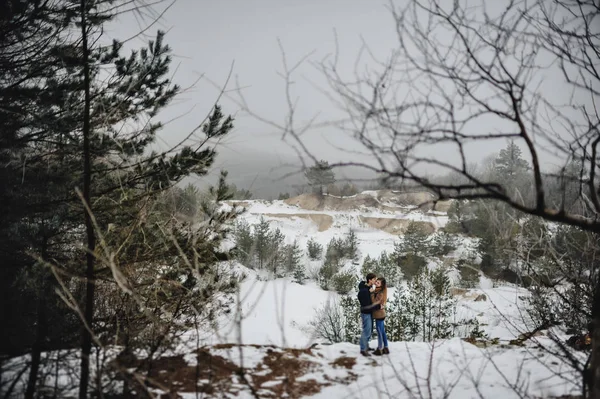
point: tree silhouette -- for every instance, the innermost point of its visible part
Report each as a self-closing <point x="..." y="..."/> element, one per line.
<point x="320" y="175"/>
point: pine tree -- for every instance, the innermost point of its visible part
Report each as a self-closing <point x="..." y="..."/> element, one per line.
<point x="389" y="269"/>
<point x="444" y="304"/>
<point x="85" y="119"/>
<point x="187" y="201"/>
<point x="276" y="253"/>
<point x="344" y="281"/>
<point x="396" y="322"/>
<point x="469" y="274"/>
<point x="293" y="260"/>
<point x="320" y="175"/>
<point x="334" y="254"/>
<point x="442" y="244"/>
<point x="351" y="315"/>
<point x="384" y="266"/>
<point x="244" y="242"/>
<point x="350" y="246"/>
<point x="326" y="275"/>
<point x="423" y="310"/>
<point x="510" y="164"/>
<point x="315" y="250"/>
<point x="262" y="244"/>
<point x="408" y="263"/>
<point x="33" y="175"/>
<point x="299" y="275"/>
<point x="415" y="240"/>
<point x="369" y="265"/>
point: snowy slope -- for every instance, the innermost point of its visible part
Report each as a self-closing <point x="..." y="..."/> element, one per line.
<point x="272" y="314"/>
<point x="267" y="335"/>
<point x="296" y="224"/>
<point x="275" y="311"/>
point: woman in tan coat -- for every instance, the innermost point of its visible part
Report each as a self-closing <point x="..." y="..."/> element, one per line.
<point x="380" y="295"/>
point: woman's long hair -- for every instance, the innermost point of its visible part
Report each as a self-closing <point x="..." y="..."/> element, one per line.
<point x="383" y="288"/>
<point x="383" y="283"/>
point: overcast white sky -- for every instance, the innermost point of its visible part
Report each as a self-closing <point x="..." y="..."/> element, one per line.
<point x="209" y="38"/>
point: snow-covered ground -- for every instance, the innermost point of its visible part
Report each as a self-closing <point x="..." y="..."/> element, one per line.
<point x="444" y="369"/>
<point x="275" y="312"/>
<point x="274" y="315"/>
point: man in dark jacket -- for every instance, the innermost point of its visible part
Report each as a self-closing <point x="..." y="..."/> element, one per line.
<point x="366" y="308"/>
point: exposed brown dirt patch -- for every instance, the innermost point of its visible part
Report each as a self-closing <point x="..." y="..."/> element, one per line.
<point x="315" y="202"/>
<point x="323" y="222"/>
<point x="465" y="293"/>
<point x="276" y="376"/>
<point x="345" y="362"/>
<point x="442" y="206"/>
<point x="395" y="226"/>
<point x="383" y="199"/>
<point x="456" y="291"/>
<point x="280" y="370"/>
<point x="172" y="374"/>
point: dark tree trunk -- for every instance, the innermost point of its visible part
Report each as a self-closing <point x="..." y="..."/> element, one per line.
<point x="41" y="332"/>
<point x="593" y="373"/>
<point x="36" y="351"/>
<point x="86" y="335"/>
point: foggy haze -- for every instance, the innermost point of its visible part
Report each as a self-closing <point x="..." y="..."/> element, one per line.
<point x="240" y="39"/>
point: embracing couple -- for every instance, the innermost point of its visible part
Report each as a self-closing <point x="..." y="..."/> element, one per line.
<point x="372" y="295"/>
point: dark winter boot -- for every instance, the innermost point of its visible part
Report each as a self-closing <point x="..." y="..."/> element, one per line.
<point x="378" y="352"/>
<point x="365" y="353"/>
<point x="386" y="351"/>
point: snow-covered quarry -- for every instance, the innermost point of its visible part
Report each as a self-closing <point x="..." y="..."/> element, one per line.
<point x="264" y="349"/>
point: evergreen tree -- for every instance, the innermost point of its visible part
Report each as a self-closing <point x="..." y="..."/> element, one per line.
<point x="351" y="319"/>
<point x="397" y="324"/>
<point x="293" y="261"/>
<point x="299" y="275"/>
<point x="511" y="170"/>
<point x="510" y="163"/>
<point x="442" y="244"/>
<point x="334" y="254"/>
<point x="344" y="281"/>
<point x="422" y="311"/>
<point x="326" y="275"/>
<point x="409" y="263"/>
<point x="350" y="246"/>
<point x="262" y="244"/>
<point x="34" y="174"/>
<point x="315" y="250"/>
<point x="85" y="119"/>
<point x="389" y="269"/>
<point x="370" y="265"/>
<point x="415" y="240"/>
<point x="244" y="243"/>
<point x="276" y="253"/>
<point x="385" y="266"/>
<point x="240" y="194"/>
<point x="320" y="175"/>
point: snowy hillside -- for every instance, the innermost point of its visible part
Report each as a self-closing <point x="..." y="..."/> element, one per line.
<point x="277" y="312"/>
<point x="264" y="348"/>
<point x="377" y="218"/>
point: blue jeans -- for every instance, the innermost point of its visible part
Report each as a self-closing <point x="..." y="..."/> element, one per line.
<point x="367" y="330"/>
<point x="381" y="335"/>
